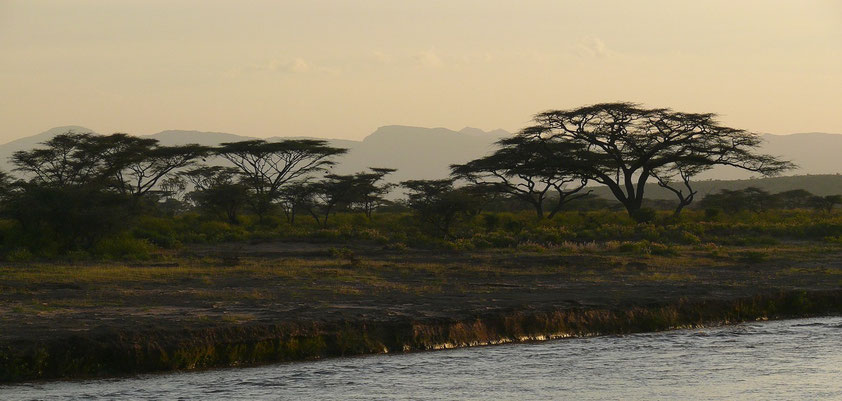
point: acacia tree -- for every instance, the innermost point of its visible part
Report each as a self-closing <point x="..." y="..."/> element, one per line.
<point x="132" y="165"/>
<point x="296" y="197"/>
<point x="145" y="163"/>
<point x="66" y="198"/>
<point x="439" y="204"/>
<point x="826" y="203"/>
<point x="68" y="159"/>
<point x="266" y="166"/>
<point x="623" y="146"/>
<point x="368" y="193"/>
<point x="529" y="170"/>
<point x="217" y="190"/>
<point x="331" y="193"/>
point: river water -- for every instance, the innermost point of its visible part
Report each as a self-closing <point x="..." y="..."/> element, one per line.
<point x="790" y="359"/>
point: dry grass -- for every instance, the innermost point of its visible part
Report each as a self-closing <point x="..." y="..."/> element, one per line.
<point x="40" y="288"/>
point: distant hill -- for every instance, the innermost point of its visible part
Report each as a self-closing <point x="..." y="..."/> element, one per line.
<point x="824" y="184"/>
<point x="417" y="153"/>
<point x="814" y="153"/>
<point x="426" y="153"/>
<point x="30" y="142"/>
<point x="178" y="137"/>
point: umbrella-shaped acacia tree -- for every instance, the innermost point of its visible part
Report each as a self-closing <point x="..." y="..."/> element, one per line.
<point x="623" y="146"/>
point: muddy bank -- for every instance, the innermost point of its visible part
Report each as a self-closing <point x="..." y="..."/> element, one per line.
<point x="110" y="352"/>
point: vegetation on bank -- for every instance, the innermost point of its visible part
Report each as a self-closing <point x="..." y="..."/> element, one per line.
<point x="151" y="236"/>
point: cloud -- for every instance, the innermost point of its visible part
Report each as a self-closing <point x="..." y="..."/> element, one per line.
<point x="592" y="47"/>
<point x="484" y="57"/>
<point x="381" y="57"/>
<point x="429" y="59"/>
<point x="296" y="65"/>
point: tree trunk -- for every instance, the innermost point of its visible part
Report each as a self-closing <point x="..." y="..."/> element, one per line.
<point x="679" y="208"/>
<point x="539" y="209"/>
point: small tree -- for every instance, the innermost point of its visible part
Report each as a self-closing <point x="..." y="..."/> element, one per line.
<point x="826" y="203"/>
<point x="217" y="191"/>
<point x="529" y="170"/>
<point x="332" y="193"/>
<point x="751" y="198"/>
<point x="368" y="193"/>
<point x="793" y="199"/>
<point x="266" y="166"/>
<point x="438" y="204"/>
<point x="297" y="197"/>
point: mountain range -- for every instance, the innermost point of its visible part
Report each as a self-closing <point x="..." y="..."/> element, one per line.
<point x="426" y="153"/>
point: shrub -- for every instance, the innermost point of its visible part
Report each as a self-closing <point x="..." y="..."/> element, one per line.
<point x="123" y="248"/>
<point x="644" y="215"/>
<point x="19" y="255"/>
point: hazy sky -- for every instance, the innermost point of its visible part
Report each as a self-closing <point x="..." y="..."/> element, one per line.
<point x="342" y="68"/>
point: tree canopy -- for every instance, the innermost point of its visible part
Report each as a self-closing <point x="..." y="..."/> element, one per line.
<point x="529" y="170"/>
<point x="623" y="146"/>
<point x="266" y="166"/>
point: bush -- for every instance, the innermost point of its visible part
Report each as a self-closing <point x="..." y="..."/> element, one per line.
<point x="644" y="215"/>
<point x="124" y="248"/>
<point x="19" y="255"/>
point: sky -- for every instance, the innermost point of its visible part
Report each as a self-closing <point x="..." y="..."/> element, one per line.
<point x="340" y="69"/>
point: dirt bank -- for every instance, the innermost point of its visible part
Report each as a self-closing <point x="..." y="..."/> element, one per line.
<point x="245" y="304"/>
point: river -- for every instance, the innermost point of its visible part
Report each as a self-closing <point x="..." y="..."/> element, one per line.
<point x="789" y="359"/>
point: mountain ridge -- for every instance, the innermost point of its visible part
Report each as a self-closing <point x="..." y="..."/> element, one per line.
<point x="427" y="153"/>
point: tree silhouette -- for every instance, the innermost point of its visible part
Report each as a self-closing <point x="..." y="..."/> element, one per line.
<point x="296" y="197"/>
<point x="331" y="193"/>
<point x="623" y="146"/>
<point x="68" y="159"/>
<point x="529" y="170"/>
<point x="145" y="163"/>
<point x="826" y="203"/>
<point x="266" y="166"/>
<point x="217" y="190"/>
<point x="439" y="204"/>
<point x="368" y="194"/>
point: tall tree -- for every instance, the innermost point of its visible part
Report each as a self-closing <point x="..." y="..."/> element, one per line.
<point x="68" y="159"/>
<point x="623" y="146"/>
<point x="145" y="163"/>
<point x="529" y="170"/>
<point x="267" y="166"/>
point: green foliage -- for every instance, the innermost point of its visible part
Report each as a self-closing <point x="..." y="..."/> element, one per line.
<point x="66" y="218"/>
<point x="123" y="248"/>
<point x="19" y="255"/>
<point x="644" y="215"/>
<point x="647" y="248"/>
<point x="345" y="255"/>
<point x="158" y="231"/>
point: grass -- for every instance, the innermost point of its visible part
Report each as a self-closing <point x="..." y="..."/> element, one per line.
<point x="196" y="282"/>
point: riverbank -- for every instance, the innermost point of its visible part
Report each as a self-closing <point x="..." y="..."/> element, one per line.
<point x="241" y="304"/>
